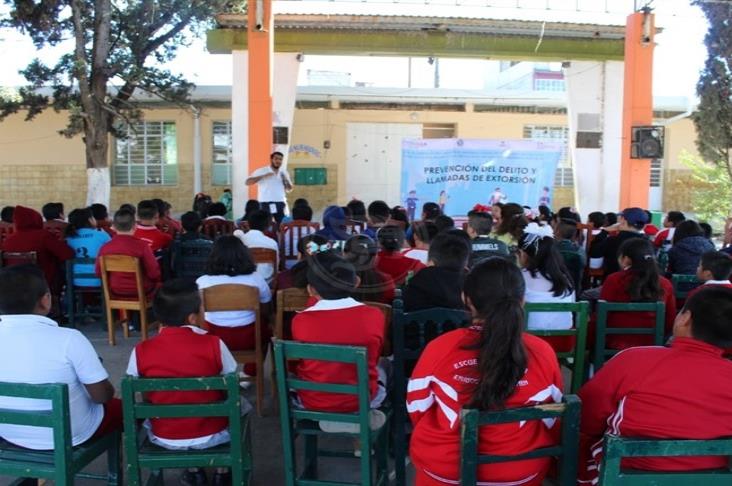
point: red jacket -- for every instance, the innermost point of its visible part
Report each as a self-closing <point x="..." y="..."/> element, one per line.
<point x="29" y="235"/>
<point x="153" y="237"/>
<point x="123" y="284"/>
<point x="397" y="266"/>
<point x="443" y="382"/>
<point x="680" y="392"/>
<point x="179" y="352"/>
<point x="615" y="289"/>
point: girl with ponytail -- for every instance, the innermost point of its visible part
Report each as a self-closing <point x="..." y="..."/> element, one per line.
<point x="491" y="365"/>
<point x="85" y="239"/>
<point x="639" y="280"/>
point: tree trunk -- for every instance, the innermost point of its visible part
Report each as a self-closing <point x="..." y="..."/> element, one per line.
<point x="96" y="141"/>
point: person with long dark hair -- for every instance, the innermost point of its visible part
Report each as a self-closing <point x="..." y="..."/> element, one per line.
<point x="374" y="286"/>
<point x="639" y="280"/>
<point x="491" y="365"/>
<point x="390" y="258"/>
<point x="689" y="244"/>
<point x="85" y="239"/>
<point x="511" y="224"/>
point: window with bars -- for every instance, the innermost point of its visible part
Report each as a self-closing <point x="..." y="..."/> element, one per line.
<point x="564" y="176"/>
<point x="148" y="156"/>
<point x="221" y="166"/>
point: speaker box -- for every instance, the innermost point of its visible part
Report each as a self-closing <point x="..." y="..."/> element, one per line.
<point x="646" y="142"/>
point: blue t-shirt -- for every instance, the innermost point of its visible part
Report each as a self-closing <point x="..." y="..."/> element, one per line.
<point x="86" y="244"/>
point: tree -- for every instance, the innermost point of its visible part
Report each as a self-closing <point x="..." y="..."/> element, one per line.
<point x="713" y="118"/>
<point x="112" y="48"/>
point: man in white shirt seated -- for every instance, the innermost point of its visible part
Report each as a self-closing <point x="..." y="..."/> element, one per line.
<point x="259" y="222"/>
<point x="273" y="182"/>
<point x="35" y="350"/>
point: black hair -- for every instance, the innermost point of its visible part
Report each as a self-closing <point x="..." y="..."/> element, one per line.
<point x="52" y="210"/>
<point x="449" y="251"/>
<point x="718" y="263"/>
<point x="347" y="213"/>
<point x="495" y="288"/>
<point x="425" y="230"/>
<point x="611" y="219"/>
<point x="597" y="219"/>
<point x="463" y="235"/>
<point x="21" y="288"/>
<point x="201" y="202"/>
<point x="129" y="207"/>
<point x="568" y="213"/>
<point x="217" y="209"/>
<point x="160" y="204"/>
<point x="276" y="152"/>
<point x="331" y="276"/>
<point x="302" y="213"/>
<point x="711" y="315"/>
<point x="303" y="242"/>
<point x="391" y="238"/>
<point x="545" y="213"/>
<point x="99" y="211"/>
<point x="230" y="257"/>
<point x="645" y="285"/>
<point x="147" y="210"/>
<point x="566" y="229"/>
<point x="444" y="223"/>
<point x="686" y="229"/>
<point x="124" y="220"/>
<point x="191" y="222"/>
<point x="175" y="301"/>
<point x="360" y="250"/>
<point x="78" y="219"/>
<point x="259" y="220"/>
<point x="251" y="206"/>
<point x="398" y="213"/>
<point x="378" y="211"/>
<point x="482" y="223"/>
<point x="358" y="209"/>
<point x="513" y="220"/>
<point x="301" y="201"/>
<point x="707" y="229"/>
<point x="675" y="217"/>
<point x="544" y="258"/>
<point x="6" y="214"/>
<point x="430" y="211"/>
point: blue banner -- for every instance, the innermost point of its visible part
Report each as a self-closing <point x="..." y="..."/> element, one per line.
<point x="458" y="174"/>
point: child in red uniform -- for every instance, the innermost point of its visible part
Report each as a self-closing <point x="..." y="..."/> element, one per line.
<point x="337" y="318"/>
<point x="679" y="392"/>
<point x="490" y="365"/>
<point x="147" y="217"/>
<point x="183" y="350"/>
<point x="715" y="268"/>
<point x="390" y="259"/>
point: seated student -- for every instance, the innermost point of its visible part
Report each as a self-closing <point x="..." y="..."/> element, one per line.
<point x="332" y="281"/>
<point x="422" y="234"/>
<point x="302" y="213"/>
<point x="125" y="243"/>
<point x="650" y="229"/>
<point x="489" y="365"/>
<point x="230" y="263"/>
<point x="688" y="246"/>
<point x="358" y="210"/>
<point x="216" y="211"/>
<point x="664" y="238"/>
<point x="297" y="275"/>
<point x="34" y="349"/>
<point x="598" y="221"/>
<point x="715" y="269"/>
<point x="374" y="286"/>
<point x="391" y="260"/>
<point x="250" y="207"/>
<point x="334" y="224"/>
<point x="679" y="392"/>
<point x="378" y="214"/>
<point x="398" y="217"/>
<point x="6" y="215"/>
<point x="201" y="202"/>
<point x="444" y="223"/>
<point x="430" y="213"/>
<point x="165" y="221"/>
<point x="191" y="224"/>
<point x="630" y="224"/>
<point x="53" y="213"/>
<point x="84" y="238"/>
<point x="441" y="283"/>
<point x="638" y="281"/>
<point x="182" y="350"/>
<point x="565" y="233"/>
<point x="29" y="235"/>
<point x="147" y="217"/>
<point x="511" y="225"/>
<point x="227" y="199"/>
<point x="101" y="216"/>
<point x="482" y="244"/>
<point x="259" y="223"/>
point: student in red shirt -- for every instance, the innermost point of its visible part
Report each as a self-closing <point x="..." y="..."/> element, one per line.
<point x="491" y="365"/>
<point x="147" y="217"/>
<point x="125" y="243"/>
<point x="715" y="268"/>
<point x="638" y="281"/>
<point x="182" y="350"/>
<point x="337" y="318"/>
<point x="670" y="222"/>
<point x="679" y="392"/>
<point x="390" y="259"/>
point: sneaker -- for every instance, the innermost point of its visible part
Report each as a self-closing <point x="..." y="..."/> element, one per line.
<point x="193" y="478"/>
<point x="244" y="384"/>
<point x="222" y="479"/>
<point x="376" y="420"/>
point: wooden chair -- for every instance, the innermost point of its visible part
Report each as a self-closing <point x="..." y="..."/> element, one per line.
<point x="235" y="297"/>
<point x="64" y="462"/>
<point x="267" y="256"/>
<point x="289" y="235"/>
<point x="56" y="228"/>
<point x="296" y="421"/>
<point x="75" y="306"/>
<point x="580" y="312"/>
<point x="213" y="228"/>
<point x="6" y="229"/>
<point x="140" y="453"/>
<point x="616" y="448"/>
<point x="385" y="309"/>
<point x="123" y="264"/>
<point x="288" y="300"/>
<point x="9" y="258"/>
<point x="566" y="451"/>
<point x="601" y="352"/>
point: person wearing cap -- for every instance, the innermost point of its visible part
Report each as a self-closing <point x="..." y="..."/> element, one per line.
<point x="631" y="222"/>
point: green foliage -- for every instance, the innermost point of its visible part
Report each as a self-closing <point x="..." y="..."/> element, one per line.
<point x="710" y="198"/>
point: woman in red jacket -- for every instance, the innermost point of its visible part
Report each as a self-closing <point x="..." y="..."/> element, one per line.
<point x="638" y="281"/>
<point x="491" y="365"/>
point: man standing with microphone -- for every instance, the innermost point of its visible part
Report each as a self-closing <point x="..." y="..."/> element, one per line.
<point x="273" y="182"/>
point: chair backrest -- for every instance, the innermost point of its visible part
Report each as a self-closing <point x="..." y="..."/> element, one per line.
<point x="580" y="312"/>
<point x="290" y="234"/>
<point x="615" y="448"/>
<point x="123" y="264"/>
<point x="57" y="418"/>
<point x="566" y="451"/>
<point x="265" y="255"/>
<point x="585" y="231"/>
<point x="683" y="284"/>
<point x="231" y="297"/>
<point x="213" y="228"/>
<point x="191" y="257"/>
<point x="72" y="275"/>
<point x="18" y="258"/>
<point x="288" y="300"/>
<point x="601" y="353"/>
<point x="385" y="309"/>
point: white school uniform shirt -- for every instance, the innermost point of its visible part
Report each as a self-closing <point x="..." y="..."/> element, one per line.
<point x="34" y="349"/>
<point x="417" y="254"/>
<point x="257" y="239"/>
<point x="235" y="318"/>
<point x="538" y="289"/>
<point x="271" y="189"/>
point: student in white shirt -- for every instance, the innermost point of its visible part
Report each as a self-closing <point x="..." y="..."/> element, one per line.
<point x="422" y="234"/>
<point x="259" y="222"/>
<point x="34" y="349"/>
<point x="273" y="182"/>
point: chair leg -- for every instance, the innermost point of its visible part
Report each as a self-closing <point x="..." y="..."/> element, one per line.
<point x="259" y="380"/>
<point x="125" y="320"/>
<point x="114" y="458"/>
<point x="143" y="323"/>
<point x="311" y="457"/>
<point x="110" y="326"/>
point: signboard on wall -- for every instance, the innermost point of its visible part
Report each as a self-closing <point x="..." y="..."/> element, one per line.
<point x="458" y="174"/>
